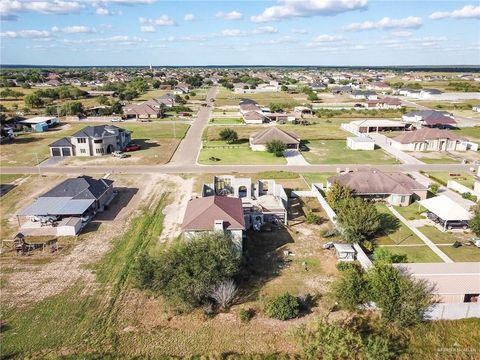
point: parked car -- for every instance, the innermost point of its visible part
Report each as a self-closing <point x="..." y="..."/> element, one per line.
<point x="132" y="147"/>
<point x="117" y="119"/>
<point x="119" y="154"/>
<point x="457" y="224"/>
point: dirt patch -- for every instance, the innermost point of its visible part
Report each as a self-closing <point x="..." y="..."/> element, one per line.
<point x="27" y="282"/>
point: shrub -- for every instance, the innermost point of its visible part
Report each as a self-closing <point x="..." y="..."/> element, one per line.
<point x="367" y="246"/>
<point x="350" y="289"/>
<point x="246" y="315"/>
<point x="383" y="254"/>
<point x="283" y="307"/>
<point x="228" y="135"/>
<point x="327" y="233"/>
<point x="313" y="218"/>
<point x="359" y="219"/>
<point x="337" y="193"/>
<point x="469" y="196"/>
<point x="434" y="188"/>
<point x="224" y="293"/>
<point x="276" y="147"/>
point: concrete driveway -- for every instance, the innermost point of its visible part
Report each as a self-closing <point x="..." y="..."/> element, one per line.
<point x="294" y="157"/>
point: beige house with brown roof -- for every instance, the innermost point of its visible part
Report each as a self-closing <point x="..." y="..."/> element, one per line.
<point x="429" y="139"/>
<point x="396" y="188"/>
<point x="258" y="141"/>
<point x="215" y="213"/>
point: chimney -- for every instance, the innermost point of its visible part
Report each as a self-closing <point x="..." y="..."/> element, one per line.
<point x="218" y="225"/>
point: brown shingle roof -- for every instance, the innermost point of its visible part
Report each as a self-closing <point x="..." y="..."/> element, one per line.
<point x="253" y="115"/>
<point x="201" y="213"/>
<point x="424" y="134"/>
<point x="373" y="181"/>
<point x="274" y="133"/>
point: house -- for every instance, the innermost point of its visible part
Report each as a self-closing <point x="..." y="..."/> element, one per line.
<point x="443" y="210"/>
<point x="364" y="95"/>
<point x="215" y="213"/>
<point x="180" y="89"/>
<point x="385" y="103"/>
<point x="429" y="139"/>
<point x="429" y="93"/>
<point x="258" y="141"/>
<point x="396" y="188"/>
<point x="92" y="141"/>
<point x="67" y="208"/>
<point x="249" y="107"/>
<point x="360" y="143"/>
<point x="168" y="100"/>
<point x="142" y="111"/>
<point x="376" y="125"/>
<point x="429" y="118"/>
<point x="408" y="92"/>
<point x="263" y="201"/>
<point x="254" y="117"/>
<point x="39" y="123"/>
<point x="454" y="283"/>
<point x="94" y="93"/>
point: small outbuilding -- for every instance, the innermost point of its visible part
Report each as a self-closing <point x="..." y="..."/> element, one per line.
<point x="344" y="252"/>
<point x="40" y="123"/>
<point x="360" y="143"/>
<point x="445" y="211"/>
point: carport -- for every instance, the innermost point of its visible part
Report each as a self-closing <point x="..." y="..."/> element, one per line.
<point x="446" y="209"/>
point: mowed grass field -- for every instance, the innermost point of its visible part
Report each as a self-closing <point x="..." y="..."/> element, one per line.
<point x="157" y="141"/>
<point x="227" y="97"/>
<point x="336" y="152"/>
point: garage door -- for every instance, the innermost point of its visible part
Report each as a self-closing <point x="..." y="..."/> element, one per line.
<point x="56" y="152"/>
<point x="67" y="152"/>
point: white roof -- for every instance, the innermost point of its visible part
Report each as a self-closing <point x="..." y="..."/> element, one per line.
<point x="361" y="139"/>
<point x="378" y="122"/>
<point x="445" y="208"/>
<point x="343" y="248"/>
<point x="38" y="119"/>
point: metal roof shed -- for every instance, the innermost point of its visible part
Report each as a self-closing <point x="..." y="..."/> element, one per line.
<point x="57" y="206"/>
<point x="344" y="252"/>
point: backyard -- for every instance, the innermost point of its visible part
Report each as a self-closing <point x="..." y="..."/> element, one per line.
<point x="336" y="152"/>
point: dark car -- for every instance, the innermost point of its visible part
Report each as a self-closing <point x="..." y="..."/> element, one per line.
<point x="457" y="224"/>
<point x="132" y="147"/>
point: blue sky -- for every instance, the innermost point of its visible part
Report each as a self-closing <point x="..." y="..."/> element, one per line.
<point x="284" y="32"/>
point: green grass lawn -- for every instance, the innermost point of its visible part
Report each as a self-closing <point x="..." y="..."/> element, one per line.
<point x="438" y="159"/>
<point x="336" y="152"/>
<point x="236" y="155"/>
<point x="440" y="237"/>
<point x="421" y="253"/>
<point x="227" y="121"/>
<point x="412" y="211"/>
<point x="27" y="147"/>
<point x="228" y="97"/>
<point x="472" y="133"/>
<point x="463" y="178"/>
<point x="462" y="253"/>
<point x="394" y="231"/>
<point x="312" y="178"/>
<point x="9" y="178"/>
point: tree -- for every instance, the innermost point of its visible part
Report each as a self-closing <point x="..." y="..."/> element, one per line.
<point x="103" y="100"/>
<point x="276" y="147"/>
<point x="187" y="270"/>
<point x="312" y="96"/>
<point x="474" y="223"/>
<point x="402" y="299"/>
<point x="283" y="307"/>
<point x="358" y="219"/>
<point x="274" y="107"/>
<point x="224" y="293"/>
<point x="33" y="100"/>
<point x="71" y="108"/>
<point x="350" y="290"/>
<point x="384" y="255"/>
<point x="337" y="193"/>
<point x="228" y="135"/>
<point x="284" y="88"/>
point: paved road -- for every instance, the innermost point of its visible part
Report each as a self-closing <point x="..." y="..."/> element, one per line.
<point x="199" y="169"/>
<point x="188" y="149"/>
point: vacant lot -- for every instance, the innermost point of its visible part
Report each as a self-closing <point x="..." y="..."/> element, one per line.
<point x="227" y="97"/>
<point x="157" y="141"/>
<point x="219" y="152"/>
<point x="442" y="178"/>
<point x="336" y="152"/>
<point x="435" y="157"/>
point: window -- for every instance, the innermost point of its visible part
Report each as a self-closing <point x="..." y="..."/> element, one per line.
<point x="81" y="140"/>
<point x="83" y="151"/>
<point x="402" y="199"/>
<point x="98" y="141"/>
<point x="99" y="151"/>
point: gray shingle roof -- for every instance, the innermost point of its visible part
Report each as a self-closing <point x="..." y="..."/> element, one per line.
<point x="65" y="142"/>
<point x="83" y="187"/>
<point x="96" y="131"/>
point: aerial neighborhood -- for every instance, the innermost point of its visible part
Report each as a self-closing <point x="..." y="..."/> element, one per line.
<point x="179" y="204"/>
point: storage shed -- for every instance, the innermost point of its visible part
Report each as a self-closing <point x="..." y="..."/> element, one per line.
<point x="360" y="143"/>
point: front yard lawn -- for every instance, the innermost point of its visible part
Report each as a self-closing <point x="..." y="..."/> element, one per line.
<point x="411" y="212"/>
<point x="420" y="253"/>
<point x="394" y="231"/>
<point x="462" y="253"/>
<point x="226" y="120"/>
<point x="317" y="178"/>
<point x="440" y="237"/>
<point x="463" y="178"/>
<point x="236" y="155"/>
<point x="336" y="152"/>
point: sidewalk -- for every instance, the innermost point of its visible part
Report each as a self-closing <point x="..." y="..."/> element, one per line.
<point x="426" y="240"/>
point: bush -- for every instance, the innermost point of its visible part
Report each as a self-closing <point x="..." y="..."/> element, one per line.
<point x="384" y="255"/>
<point x="187" y="270"/>
<point x="346" y="265"/>
<point x="313" y="218"/>
<point x="434" y="188"/>
<point x="358" y="218"/>
<point x="276" y="147"/>
<point x="224" y="293"/>
<point x="228" y="135"/>
<point x="350" y="289"/>
<point x="469" y="196"/>
<point x="283" y="307"/>
<point x="327" y="233"/>
<point x="246" y="315"/>
<point x="367" y="246"/>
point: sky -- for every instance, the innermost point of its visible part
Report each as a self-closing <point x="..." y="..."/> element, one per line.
<point x="283" y="32"/>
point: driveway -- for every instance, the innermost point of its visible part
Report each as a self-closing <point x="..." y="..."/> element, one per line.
<point x="382" y="141"/>
<point x="294" y="157"/>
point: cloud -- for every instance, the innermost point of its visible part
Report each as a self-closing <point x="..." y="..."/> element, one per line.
<point x="103" y="11"/>
<point x="280" y="40"/>
<point x="25" y="34"/>
<point x="232" y="15"/>
<point x="299" y="31"/>
<point x="287" y="9"/>
<point x="77" y="29"/>
<point x="411" y="22"/>
<point x="467" y="12"/>
<point x="112" y="40"/>
<point x="327" y="38"/>
<point x="402" y="33"/>
<point x="188" y="38"/>
<point x="189" y="17"/>
<point x="163" y="20"/>
<point x="125" y="2"/>
<point x="264" y="30"/>
<point x="9" y="9"/>
<point x="233" y="32"/>
<point x="147" y="28"/>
